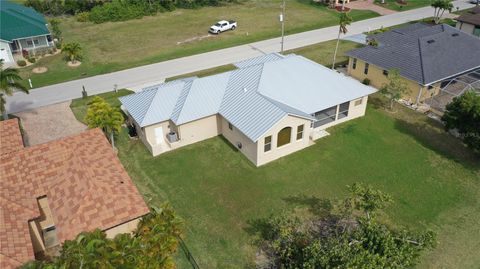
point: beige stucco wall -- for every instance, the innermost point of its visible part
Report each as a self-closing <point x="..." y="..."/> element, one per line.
<point x="199" y="130"/>
<point x="294" y="145"/>
<point x="36" y="236"/>
<point x="150" y="139"/>
<point x="465" y="27"/>
<point x="127" y="227"/>
<point x="378" y="79"/>
<point x="46" y="219"/>
<point x="234" y="136"/>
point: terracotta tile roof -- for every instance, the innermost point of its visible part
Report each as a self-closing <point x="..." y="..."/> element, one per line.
<point x="10" y="136"/>
<point x="85" y="183"/>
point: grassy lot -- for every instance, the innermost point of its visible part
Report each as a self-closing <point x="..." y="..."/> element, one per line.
<point x="119" y="45"/>
<point x="411" y="4"/>
<point x="432" y="178"/>
<point x="79" y="106"/>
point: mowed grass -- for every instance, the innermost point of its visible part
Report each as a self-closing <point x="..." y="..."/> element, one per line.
<point x="411" y="4"/>
<point x="79" y="106"/>
<point x="434" y="181"/>
<point x="115" y="46"/>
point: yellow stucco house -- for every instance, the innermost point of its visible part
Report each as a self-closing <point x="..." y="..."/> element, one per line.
<point x="269" y="107"/>
<point x="428" y="57"/>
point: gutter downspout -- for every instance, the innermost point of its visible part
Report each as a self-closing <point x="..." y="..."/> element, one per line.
<point x="419" y="95"/>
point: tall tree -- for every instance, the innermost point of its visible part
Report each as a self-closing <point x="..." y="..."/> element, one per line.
<point x="73" y="51"/>
<point x="395" y="88"/>
<point x="345" y="20"/>
<point x="366" y="199"/>
<point x="463" y="115"/>
<point x="440" y="6"/>
<point x="55" y="25"/>
<point x="10" y="81"/>
<point x="101" y="114"/>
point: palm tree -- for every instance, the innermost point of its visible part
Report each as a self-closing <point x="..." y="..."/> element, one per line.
<point x="344" y="21"/>
<point x="73" y="51"/>
<point x="10" y="81"/>
<point x="101" y="114"/>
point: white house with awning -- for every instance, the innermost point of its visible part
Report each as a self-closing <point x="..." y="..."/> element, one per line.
<point x="269" y="107"/>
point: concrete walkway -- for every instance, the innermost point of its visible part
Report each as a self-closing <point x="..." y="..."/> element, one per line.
<point x="369" y="5"/>
<point x="152" y="74"/>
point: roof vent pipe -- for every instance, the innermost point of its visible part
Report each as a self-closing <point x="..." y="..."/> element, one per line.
<point x="244" y="89"/>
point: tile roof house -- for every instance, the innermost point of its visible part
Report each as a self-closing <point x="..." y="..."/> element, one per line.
<point x="21" y="28"/>
<point x="51" y="192"/>
<point x="268" y="107"/>
<point x="469" y="22"/>
<point x="425" y="56"/>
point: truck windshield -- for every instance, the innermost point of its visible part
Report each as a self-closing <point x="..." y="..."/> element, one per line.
<point x="218" y="24"/>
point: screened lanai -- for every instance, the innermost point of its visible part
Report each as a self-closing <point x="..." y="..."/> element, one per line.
<point x="454" y="87"/>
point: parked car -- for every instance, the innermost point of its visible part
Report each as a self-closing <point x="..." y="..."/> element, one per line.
<point x="222" y="26"/>
<point x="474" y="2"/>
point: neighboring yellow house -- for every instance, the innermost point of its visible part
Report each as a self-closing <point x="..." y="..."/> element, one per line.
<point x="428" y="57"/>
<point x="269" y="107"/>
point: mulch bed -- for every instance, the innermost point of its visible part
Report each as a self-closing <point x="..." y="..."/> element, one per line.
<point x="339" y="9"/>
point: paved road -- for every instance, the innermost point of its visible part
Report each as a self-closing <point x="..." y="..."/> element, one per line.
<point x="139" y="77"/>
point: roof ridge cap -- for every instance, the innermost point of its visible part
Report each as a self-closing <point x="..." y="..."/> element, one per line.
<point x="181" y="101"/>
<point x="421" y="60"/>
<point x="150" y="105"/>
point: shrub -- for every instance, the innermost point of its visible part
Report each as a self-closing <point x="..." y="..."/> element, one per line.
<point x="58" y="45"/>
<point x="21" y="63"/>
<point x="32" y="60"/>
<point x="366" y="81"/>
<point x="82" y="16"/>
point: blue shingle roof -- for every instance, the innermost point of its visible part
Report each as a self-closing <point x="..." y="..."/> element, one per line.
<point x="423" y="53"/>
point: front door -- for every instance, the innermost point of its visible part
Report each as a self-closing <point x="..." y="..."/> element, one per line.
<point x="159" y="135"/>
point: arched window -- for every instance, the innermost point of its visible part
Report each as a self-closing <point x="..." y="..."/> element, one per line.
<point x="284" y="136"/>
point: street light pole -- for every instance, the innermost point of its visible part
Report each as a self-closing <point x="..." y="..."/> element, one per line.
<point x="282" y="20"/>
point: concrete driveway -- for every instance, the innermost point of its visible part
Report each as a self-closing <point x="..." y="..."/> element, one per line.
<point x="49" y="123"/>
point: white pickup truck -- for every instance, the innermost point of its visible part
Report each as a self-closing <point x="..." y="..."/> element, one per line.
<point x="222" y="26"/>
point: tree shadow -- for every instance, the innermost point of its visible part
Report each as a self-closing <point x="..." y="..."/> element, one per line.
<point x="319" y="207"/>
<point x="430" y="134"/>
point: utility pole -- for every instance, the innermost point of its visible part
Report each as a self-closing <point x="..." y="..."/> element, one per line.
<point x="282" y="21"/>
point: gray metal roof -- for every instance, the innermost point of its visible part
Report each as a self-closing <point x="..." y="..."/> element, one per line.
<point x="252" y="98"/>
<point x="423" y="53"/>
<point x="315" y="86"/>
<point x="259" y="60"/>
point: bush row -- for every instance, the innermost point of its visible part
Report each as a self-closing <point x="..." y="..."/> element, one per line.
<point x="99" y="11"/>
<point x="63" y="7"/>
<point x="122" y="10"/>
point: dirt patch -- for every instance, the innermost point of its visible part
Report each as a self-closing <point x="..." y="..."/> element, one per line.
<point x="192" y="39"/>
<point x="74" y="64"/>
<point x="39" y="70"/>
<point x="49" y="123"/>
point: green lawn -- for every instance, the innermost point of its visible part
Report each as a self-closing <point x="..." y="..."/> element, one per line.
<point x="115" y="46"/>
<point x="79" y="106"/>
<point x="217" y="191"/>
<point x="411" y="4"/>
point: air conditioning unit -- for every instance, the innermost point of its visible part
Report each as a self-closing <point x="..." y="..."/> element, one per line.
<point x="172" y="137"/>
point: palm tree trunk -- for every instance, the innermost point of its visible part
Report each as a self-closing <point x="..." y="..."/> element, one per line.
<point x="336" y="50"/>
<point x="112" y="140"/>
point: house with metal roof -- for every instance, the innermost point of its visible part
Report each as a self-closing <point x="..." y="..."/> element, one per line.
<point x="427" y="57"/>
<point x="21" y="28"/>
<point x="469" y="22"/>
<point x="269" y="107"/>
